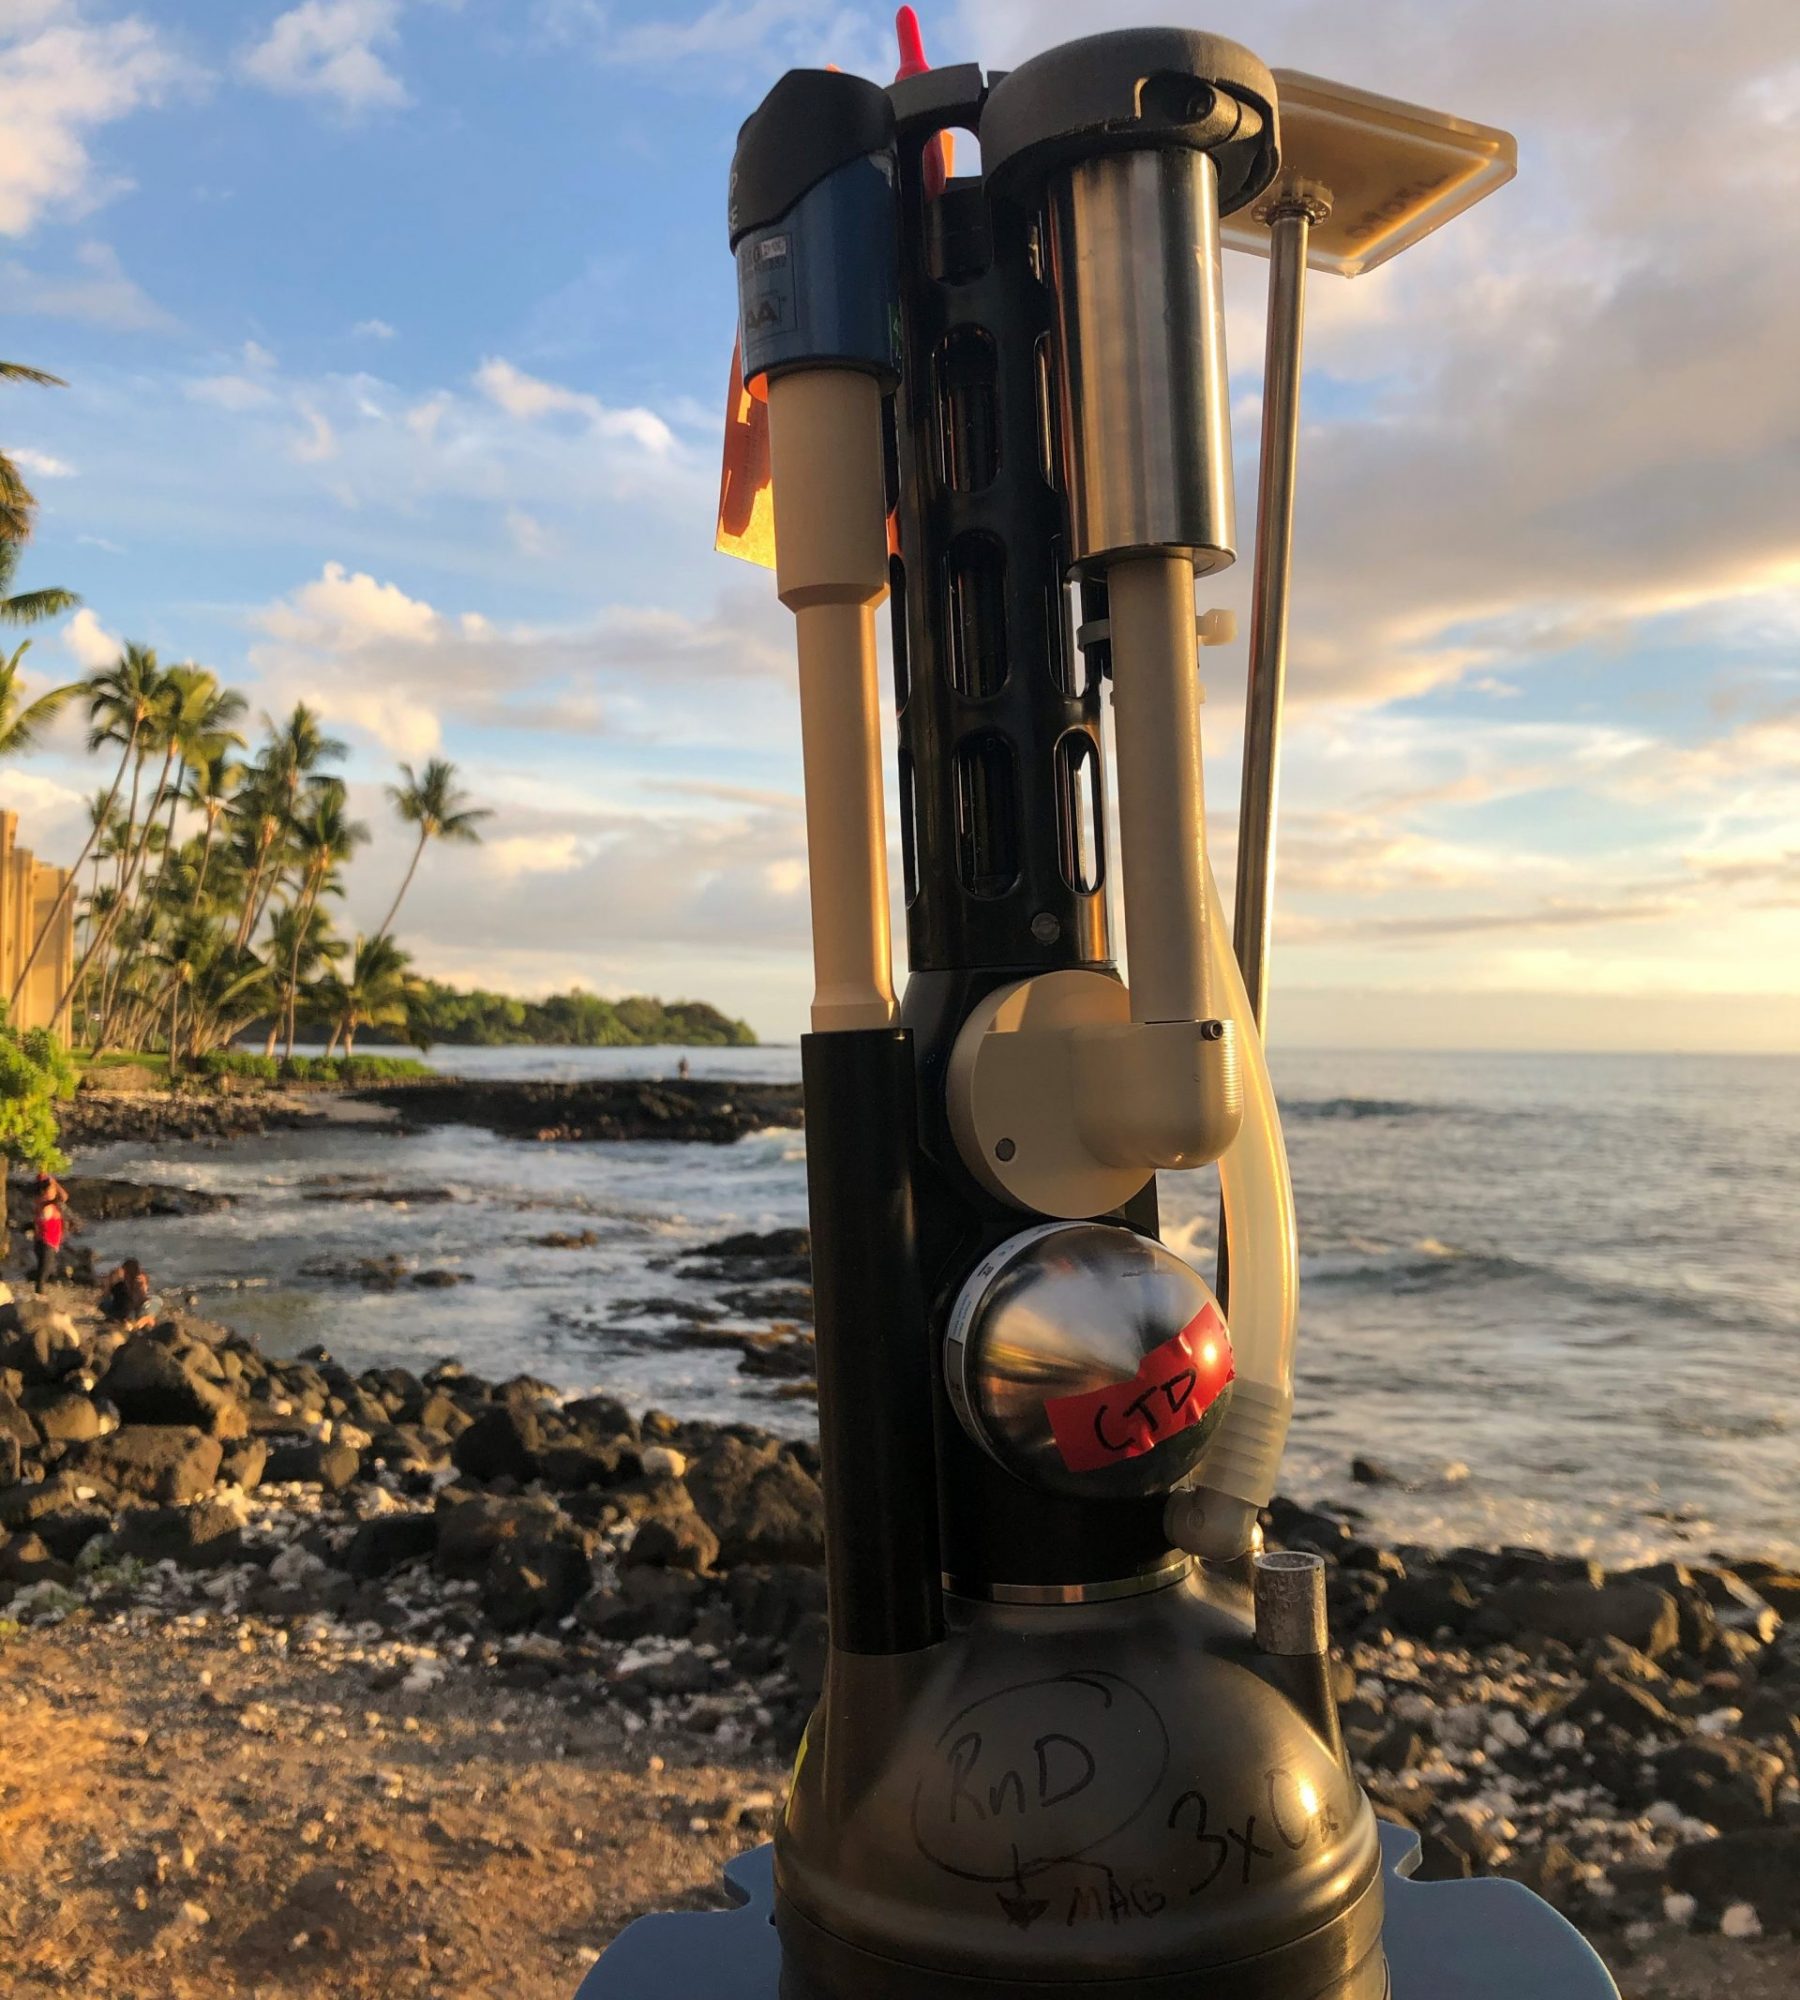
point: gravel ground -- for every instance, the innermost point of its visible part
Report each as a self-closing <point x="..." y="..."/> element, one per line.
<point x="191" y="1812"/>
<point x="196" y="1813"/>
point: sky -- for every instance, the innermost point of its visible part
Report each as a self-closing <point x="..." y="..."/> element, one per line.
<point x="397" y="334"/>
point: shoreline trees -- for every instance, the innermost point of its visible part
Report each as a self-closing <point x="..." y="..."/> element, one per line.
<point x="204" y="882"/>
<point x="434" y="803"/>
<point x="212" y="868"/>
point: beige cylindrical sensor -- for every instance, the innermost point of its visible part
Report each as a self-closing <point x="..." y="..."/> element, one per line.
<point x="825" y="459"/>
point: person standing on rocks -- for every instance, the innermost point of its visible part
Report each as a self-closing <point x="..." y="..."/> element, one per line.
<point x="48" y="1227"/>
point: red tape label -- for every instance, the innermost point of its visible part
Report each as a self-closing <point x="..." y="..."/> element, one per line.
<point x="1174" y="1387"/>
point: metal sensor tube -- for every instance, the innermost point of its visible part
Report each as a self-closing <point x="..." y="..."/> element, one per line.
<point x="1140" y="352"/>
<point x="1162" y="808"/>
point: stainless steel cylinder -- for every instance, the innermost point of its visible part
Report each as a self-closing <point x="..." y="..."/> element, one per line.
<point x="1289" y="1589"/>
<point x="1139" y="339"/>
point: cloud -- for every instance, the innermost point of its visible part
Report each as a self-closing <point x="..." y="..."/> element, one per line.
<point x="40" y="464"/>
<point x="52" y="816"/>
<point x="529" y="535"/>
<point x="332" y="49"/>
<point x="714" y="47"/>
<point x="250" y="386"/>
<point x="514" y="855"/>
<point x="372" y="329"/>
<point x="89" y="642"/>
<point x="646" y="880"/>
<point x="398" y="668"/>
<point x="530" y="398"/>
<point x="230" y="392"/>
<point x="97" y="291"/>
<point x="519" y="449"/>
<point x="318" y="442"/>
<point x="61" y="81"/>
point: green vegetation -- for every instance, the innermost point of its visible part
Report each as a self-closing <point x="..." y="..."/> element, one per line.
<point x="34" y="1073"/>
<point x="204" y="881"/>
<point x="574" y="1020"/>
<point x="247" y="1064"/>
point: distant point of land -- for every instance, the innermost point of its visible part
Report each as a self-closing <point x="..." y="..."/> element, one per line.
<point x="576" y="1020"/>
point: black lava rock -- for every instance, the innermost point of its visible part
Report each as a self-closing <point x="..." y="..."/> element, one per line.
<point x="1583" y="1614"/>
<point x="759" y="1502"/>
<point x="686" y="1544"/>
<point x="203" y="1536"/>
<point x="1759" y="1866"/>
<point x="534" y="1576"/>
<point x="502" y="1443"/>
<point x="168" y="1463"/>
<point x="312" y="1462"/>
<point x="149" y="1384"/>
<point x="389" y="1542"/>
<point x="65" y="1416"/>
<point x="1729" y="1784"/>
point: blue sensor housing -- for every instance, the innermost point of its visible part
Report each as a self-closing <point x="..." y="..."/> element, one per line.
<point x="820" y="287"/>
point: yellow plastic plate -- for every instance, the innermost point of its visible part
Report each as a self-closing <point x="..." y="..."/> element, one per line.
<point x="1394" y="172"/>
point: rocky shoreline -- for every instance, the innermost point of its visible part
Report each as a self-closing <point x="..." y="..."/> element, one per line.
<point x="1628" y="1743"/>
<point x="689" y="1109"/>
<point x="94" y="1118"/>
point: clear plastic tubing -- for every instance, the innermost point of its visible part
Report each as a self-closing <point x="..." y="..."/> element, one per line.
<point x="1216" y="1519"/>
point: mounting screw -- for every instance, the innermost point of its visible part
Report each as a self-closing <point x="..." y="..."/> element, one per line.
<point x="1005" y="1150"/>
<point x="1045" y="927"/>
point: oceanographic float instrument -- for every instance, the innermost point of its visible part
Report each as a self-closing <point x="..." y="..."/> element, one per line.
<point x="1078" y="1738"/>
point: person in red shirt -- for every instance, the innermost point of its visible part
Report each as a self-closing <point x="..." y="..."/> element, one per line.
<point x="48" y="1227"/>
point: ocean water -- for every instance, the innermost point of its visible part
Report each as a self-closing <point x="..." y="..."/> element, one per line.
<point x="1558" y="1295"/>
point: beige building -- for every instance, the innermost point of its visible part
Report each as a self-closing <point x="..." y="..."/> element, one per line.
<point x="29" y="889"/>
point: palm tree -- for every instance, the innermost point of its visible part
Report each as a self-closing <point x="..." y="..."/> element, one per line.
<point x="225" y="989"/>
<point x="375" y="993"/>
<point x="25" y="607"/>
<point x="258" y="816"/>
<point x="289" y="760"/>
<point x="201" y="713"/>
<point x="325" y="837"/>
<point x="298" y="747"/>
<point x="120" y="700"/>
<point x="432" y="801"/>
<point x="301" y="942"/>
<point x="17" y="502"/>
<point x="23" y="722"/>
<point x="103" y="831"/>
<point x="210" y="786"/>
<point x="150" y="726"/>
<point x="17" y="506"/>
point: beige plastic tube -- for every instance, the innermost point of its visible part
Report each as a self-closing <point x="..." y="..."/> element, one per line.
<point x="1217" y="1518"/>
<point x="825" y="461"/>
<point x="1162" y="810"/>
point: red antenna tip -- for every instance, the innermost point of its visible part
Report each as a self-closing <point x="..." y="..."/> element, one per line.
<point x="912" y="43"/>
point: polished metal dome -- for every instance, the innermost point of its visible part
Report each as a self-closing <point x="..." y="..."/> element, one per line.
<point x="1089" y="1360"/>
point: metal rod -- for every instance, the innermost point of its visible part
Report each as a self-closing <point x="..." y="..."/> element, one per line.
<point x="1253" y="905"/>
<point x="1253" y="909"/>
